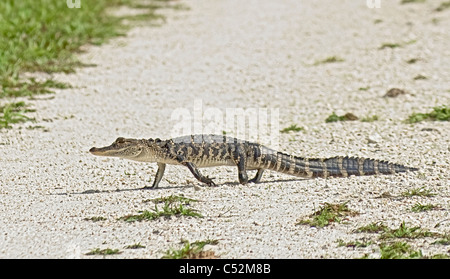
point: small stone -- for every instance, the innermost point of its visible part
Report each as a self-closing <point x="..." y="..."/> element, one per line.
<point x="350" y="116"/>
<point x="394" y="92"/>
<point x="374" y="138"/>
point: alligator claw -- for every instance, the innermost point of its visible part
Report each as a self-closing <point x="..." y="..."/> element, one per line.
<point x="209" y="181"/>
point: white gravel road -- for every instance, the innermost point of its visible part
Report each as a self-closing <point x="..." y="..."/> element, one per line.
<point x="237" y="54"/>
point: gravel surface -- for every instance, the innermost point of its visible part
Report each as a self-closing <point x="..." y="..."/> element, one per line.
<point x="237" y="54"/>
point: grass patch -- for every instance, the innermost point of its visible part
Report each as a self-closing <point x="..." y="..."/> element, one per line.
<point x="13" y="113"/>
<point x="192" y="251"/>
<point x="167" y="211"/>
<point x="402" y="250"/>
<point x="346" y="117"/>
<point x="418" y="207"/>
<point x="412" y="60"/>
<point x="173" y="206"/>
<point x="372" y="228"/>
<point x="421" y="192"/>
<point x="443" y="6"/>
<point x="172" y="199"/>
<point x="15" y="88"/>
<point x="403" y="231"/>
<point x="445" y="240"/>
<point x="438" y="256"/>
<point x="95" y="218"/>
<point x="439" y="113"/>
<point x="372" y="118"/>
<point x="419" y="77"/>
<point x="355" y="244"/>
<point x="331" y="59"/>
<point x="399" y="250"/>
<point x="293" y="128"/>
<point x="406" y="232"/>
<point x="396" y="45"/>
<point x="135" y="246"/>
<point x="390" y="45"/>
<point x="42" y="36"/>
<point x="103" y="252"/>
<point x="327" y="214"/>
<point x="412" y="1"/>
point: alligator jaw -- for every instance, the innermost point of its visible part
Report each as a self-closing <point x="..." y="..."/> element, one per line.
<point x="123" y="148"/>
<point x="99" y="151"/>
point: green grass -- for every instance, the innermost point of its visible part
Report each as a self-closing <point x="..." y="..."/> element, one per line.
<point x="418" y="207"/>
<point x="372" y="228"/>
<point x="172" y="199"/>
<point x="402" y="250"/>
<point x="412" y="1"/>
<point x="95" y="218"/>
<point x="173" y="206"/>
<point x="396" y="45"/>
<point x="167" y="211"/>
<point x="103" y="252"/>
<point x="372" y="118"/>
<point x="443" y="6"/>
<point x="420" y="77"/>
<point x="439" y="113"/>
<point x="293" y="128"/>
<point x="390" y="45"/>
<point x="403" y="231"/>
<point x="13" y="113"/>
<point x="355" y="244"/>
<point x="421" y="192"/>
<point x="44" y="36"/>
<point x="389" y="248"/>
<point x="327" y="214"/>
<point x="191" y="250"/>
<point x="412" y="60"/>
<point x="135" y="246"/>
<point x="346" y="117"/>
<point x="399" y="250"/>
<point x="331" y="59"/>
<point x="445" y="240"/>
<point x="31" y="87"/>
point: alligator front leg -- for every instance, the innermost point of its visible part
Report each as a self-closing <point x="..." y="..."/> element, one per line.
<point x="158" y="176"/>
<point x="198" y="175"/>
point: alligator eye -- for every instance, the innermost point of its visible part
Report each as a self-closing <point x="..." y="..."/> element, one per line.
<point x="120" y="140"/>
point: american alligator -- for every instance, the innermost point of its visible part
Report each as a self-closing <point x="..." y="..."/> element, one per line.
<point x="198" y="151"/>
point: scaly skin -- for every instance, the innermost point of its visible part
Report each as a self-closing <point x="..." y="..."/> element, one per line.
<point x="198" y="151"/>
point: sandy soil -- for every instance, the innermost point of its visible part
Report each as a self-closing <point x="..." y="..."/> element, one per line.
<point x="237" y="54"/>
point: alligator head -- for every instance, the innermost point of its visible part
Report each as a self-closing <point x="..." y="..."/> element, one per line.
<point x="132" y="149"/>
<point x="122" y="147"/>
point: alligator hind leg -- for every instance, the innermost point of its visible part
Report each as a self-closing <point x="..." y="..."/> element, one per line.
<point x="158" y="176"/>
<point x="257" y="177"/>
<point x="239" y="159"/>
<point x="198" y="175"/>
